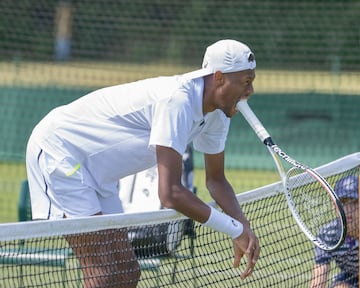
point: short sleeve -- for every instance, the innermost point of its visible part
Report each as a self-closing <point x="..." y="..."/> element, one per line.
<point x="171" y="123"/>
<point x="212" y="138"/>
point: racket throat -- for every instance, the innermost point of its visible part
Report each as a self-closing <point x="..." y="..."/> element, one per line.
<point x="286" y="157"/>
<point x="269" y="142"/>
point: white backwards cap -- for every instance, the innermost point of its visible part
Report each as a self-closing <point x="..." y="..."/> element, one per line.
<point x="225" y="56"/>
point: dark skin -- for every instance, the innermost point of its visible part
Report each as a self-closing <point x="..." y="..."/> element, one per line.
<point x="221" y="91"/>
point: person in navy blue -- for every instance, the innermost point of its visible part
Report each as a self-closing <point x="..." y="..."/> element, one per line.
<point x="346" y="257"/>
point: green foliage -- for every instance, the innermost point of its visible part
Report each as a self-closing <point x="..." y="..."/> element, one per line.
<point x="305" y="34"/>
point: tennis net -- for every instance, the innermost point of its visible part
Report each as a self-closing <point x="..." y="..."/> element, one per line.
<point x="172" y="251"/>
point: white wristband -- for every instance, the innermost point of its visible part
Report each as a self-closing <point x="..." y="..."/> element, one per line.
<point x="224" y="223"/>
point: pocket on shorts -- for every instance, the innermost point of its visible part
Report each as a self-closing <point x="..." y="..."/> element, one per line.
<point x="47" y="163"/>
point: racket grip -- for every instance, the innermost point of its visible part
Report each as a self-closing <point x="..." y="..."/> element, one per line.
<point x="251" y="118"/>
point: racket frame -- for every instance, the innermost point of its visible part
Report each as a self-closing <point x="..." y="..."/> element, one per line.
<point x="276" y="154"/>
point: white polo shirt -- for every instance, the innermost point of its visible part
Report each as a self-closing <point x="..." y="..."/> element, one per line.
<point x="112" y="132"/>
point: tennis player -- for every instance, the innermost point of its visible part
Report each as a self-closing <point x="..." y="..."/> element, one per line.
<point x="78" y="152"/>
<point x="346" y="257"/>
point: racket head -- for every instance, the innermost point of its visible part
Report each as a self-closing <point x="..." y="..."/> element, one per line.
<point x="315" y="207"/>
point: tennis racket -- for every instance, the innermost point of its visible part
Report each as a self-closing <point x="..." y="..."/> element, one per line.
<point x="313" y="203"/>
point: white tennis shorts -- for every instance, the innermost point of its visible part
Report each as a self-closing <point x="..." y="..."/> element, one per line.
<point x="56" y="193"/>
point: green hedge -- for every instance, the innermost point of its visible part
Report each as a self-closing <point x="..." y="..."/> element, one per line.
<point x="283" y="34"/>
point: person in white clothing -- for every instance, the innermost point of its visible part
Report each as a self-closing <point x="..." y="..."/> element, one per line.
<point x="78" y="152"/>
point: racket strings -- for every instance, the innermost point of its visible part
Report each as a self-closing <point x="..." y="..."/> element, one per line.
<point x="312" y="204"/>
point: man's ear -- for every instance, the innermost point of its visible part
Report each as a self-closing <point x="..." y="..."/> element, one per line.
<point x="219" y="78"/>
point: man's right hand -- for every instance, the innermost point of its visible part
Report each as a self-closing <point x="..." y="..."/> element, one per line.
<point x="246" y="244"/>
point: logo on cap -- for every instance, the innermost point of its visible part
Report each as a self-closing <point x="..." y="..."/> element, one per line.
<point x="251" y="57"/>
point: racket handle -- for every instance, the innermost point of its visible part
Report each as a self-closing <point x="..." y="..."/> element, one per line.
<point x="253" y="121"/>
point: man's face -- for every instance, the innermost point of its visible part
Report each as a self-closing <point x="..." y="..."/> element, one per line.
<point x="235" y="86"/>
<point x="351" y="208"/>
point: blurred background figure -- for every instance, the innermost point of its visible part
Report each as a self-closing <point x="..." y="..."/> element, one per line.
<point x="347" y="256"/>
